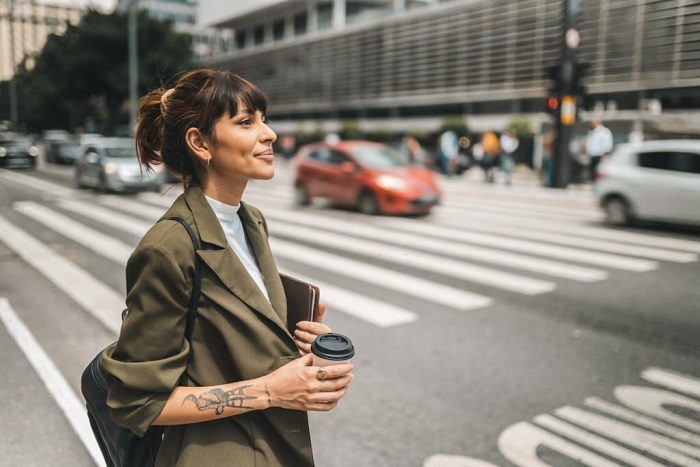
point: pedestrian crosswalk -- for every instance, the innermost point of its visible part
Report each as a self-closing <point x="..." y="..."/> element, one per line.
<point x="460" y="258"/>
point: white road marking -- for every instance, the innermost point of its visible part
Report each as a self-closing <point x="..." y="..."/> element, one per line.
<point x="98" y="299"/>
<point x="657" y="445"/>
<point x="640" y="420"/>
<point x="537" y="248"/>
<point x="36" y="183"/>
<point x="104" y="245"/>
<point x="445" y="247"/>
<point x="596" y="442"/>
<point x="73" y="409"/>
<point x="113" y="219"/>
<point x="675" y="381"/>
<point x="383" y="277"/>
<point x="379" y="313"/>
<point x="419" y="260"/>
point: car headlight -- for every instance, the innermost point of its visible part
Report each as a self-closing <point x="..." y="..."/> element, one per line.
<point x="3" y="152"/>
<point x="391" y="182"/>
<point x="110" y="168"/>
<point x="33" y="151"/>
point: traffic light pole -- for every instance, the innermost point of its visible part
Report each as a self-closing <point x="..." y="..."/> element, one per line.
<point x="566" y="76"/>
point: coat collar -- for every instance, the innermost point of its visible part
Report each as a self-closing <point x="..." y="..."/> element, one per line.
<point x="217" y="255"/>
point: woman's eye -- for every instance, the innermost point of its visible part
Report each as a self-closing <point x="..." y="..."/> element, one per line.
<point x="245" y="122"/>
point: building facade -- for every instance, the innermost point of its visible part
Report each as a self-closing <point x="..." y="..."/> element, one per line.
<point x="24" y="27"/>
<point x="398" y="63"/>
<point x="206" y="41"/>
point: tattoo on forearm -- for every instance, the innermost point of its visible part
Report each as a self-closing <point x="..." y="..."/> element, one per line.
<point x="218" y="400"/>
<point x="269" y="400"/>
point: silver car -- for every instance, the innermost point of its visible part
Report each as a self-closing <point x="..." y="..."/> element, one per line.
<point x="651" y="180"/>
<point x="110" y="164"/>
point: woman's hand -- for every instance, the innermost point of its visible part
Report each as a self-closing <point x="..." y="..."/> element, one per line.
<point x="306" y="331"/>
<point x="295" y="385"/>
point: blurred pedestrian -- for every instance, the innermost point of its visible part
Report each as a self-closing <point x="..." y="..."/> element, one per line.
<point x="599" y="143"/>
<point x="548" y="149"/>
<point x="237" y="391"/>
<point x="413" y="151"/>
<point x="509" y="143"/>
<point x="449" y="149"/>
<point x="491" y="147"/>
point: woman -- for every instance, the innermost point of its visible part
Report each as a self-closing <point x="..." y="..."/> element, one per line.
<point x="246" y="388"/>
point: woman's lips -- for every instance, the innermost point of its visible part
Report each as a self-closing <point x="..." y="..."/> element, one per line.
<point x="266" y="156"/>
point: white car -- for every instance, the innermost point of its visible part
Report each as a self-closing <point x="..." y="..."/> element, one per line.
<point x="651" y="180"/>
<point x="110" y="164"/>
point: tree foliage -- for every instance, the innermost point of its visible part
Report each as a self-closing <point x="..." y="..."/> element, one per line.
<point x="82" y="76"/>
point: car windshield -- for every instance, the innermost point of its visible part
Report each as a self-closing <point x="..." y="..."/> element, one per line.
<point x="121" y="152"/>
<point x="379" y="157"/>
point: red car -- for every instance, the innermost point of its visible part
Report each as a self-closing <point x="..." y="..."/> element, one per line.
<point x="370" y="176"/>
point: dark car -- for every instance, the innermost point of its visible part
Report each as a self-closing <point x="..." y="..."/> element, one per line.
<point x="370" y="176"/>
<point x="17" y="151"/>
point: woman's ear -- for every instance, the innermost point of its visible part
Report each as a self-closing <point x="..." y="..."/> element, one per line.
<point x="197" y="144"/>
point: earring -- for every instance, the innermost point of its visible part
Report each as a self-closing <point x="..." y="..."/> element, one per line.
<point x="208" y="159"/>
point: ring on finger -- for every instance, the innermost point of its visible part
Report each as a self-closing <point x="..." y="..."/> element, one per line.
<point x="322" y="373"/>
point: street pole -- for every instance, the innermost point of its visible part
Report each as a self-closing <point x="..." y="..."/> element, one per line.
<point x="133" y="64"/>
<point x="567" y="99"/>
<point x="14" y="118"/>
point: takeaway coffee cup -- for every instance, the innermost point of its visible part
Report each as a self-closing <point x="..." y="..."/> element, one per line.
<point x="332" y="349"/>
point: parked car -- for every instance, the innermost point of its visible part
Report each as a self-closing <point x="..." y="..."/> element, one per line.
<point x="17" y="150"/>
<point x="110" y="164"/>
<point x="372" y="177"/>
<point x="652" y="180"/>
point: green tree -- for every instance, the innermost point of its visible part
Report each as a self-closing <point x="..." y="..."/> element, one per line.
<point x="82" y="75"/>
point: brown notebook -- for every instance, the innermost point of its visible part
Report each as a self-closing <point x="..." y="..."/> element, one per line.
<point x="302" y="301"/>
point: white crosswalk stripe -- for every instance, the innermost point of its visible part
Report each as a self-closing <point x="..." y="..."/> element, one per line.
<point x="464" y="242"/>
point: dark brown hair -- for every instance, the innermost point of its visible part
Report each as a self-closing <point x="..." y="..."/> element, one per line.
<point x="198" y="99"/>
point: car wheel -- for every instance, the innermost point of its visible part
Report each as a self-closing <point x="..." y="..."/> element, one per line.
<point x="617" y="211"/>
<point x="367" y="204"/>
<point x="301" y="196"/>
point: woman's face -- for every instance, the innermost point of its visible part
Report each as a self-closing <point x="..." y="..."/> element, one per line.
<point x="242" y="148"/>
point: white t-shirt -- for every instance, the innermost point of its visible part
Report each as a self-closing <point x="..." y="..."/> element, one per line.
<point x="235" y="235"/>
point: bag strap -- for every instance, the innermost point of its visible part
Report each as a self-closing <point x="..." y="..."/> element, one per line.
<point x="194" y="298"/>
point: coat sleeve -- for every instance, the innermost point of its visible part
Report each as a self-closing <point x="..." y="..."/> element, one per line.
<point x="151" y="354"/>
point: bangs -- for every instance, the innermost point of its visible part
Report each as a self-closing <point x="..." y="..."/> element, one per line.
<point x="225" y="93"/>
<point x="234" y="91"/>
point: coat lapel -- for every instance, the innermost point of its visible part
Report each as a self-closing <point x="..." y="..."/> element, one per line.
<point x="228" y="268"/>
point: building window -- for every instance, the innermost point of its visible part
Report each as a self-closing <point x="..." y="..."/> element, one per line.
<point x="325" y="16"/>
<point x="240" y="39"/>
<point x="278" y="30"/>
<point x="259" y="34"/>
<point x="300" y="24"/>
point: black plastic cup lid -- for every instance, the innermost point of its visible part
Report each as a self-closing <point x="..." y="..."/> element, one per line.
<point x="333" y="346"/>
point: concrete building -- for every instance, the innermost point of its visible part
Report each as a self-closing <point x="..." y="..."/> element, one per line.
<point x="206" y="41"/>
<point x="24" y="27"/>
<point x="400" y="64"/>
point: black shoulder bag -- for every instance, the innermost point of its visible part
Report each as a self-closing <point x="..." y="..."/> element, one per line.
<point x="120" y="446"/>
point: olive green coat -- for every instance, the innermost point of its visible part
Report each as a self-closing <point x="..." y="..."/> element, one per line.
<point x="238" y="335"/>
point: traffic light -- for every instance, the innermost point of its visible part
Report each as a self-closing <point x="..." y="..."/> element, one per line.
<point x="553" y="101"/>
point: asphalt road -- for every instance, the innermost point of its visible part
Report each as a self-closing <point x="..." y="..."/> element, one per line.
<point x="510" y="327"/>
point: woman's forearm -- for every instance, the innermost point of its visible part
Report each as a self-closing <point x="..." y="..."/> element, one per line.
<point x="201" y="404"/>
